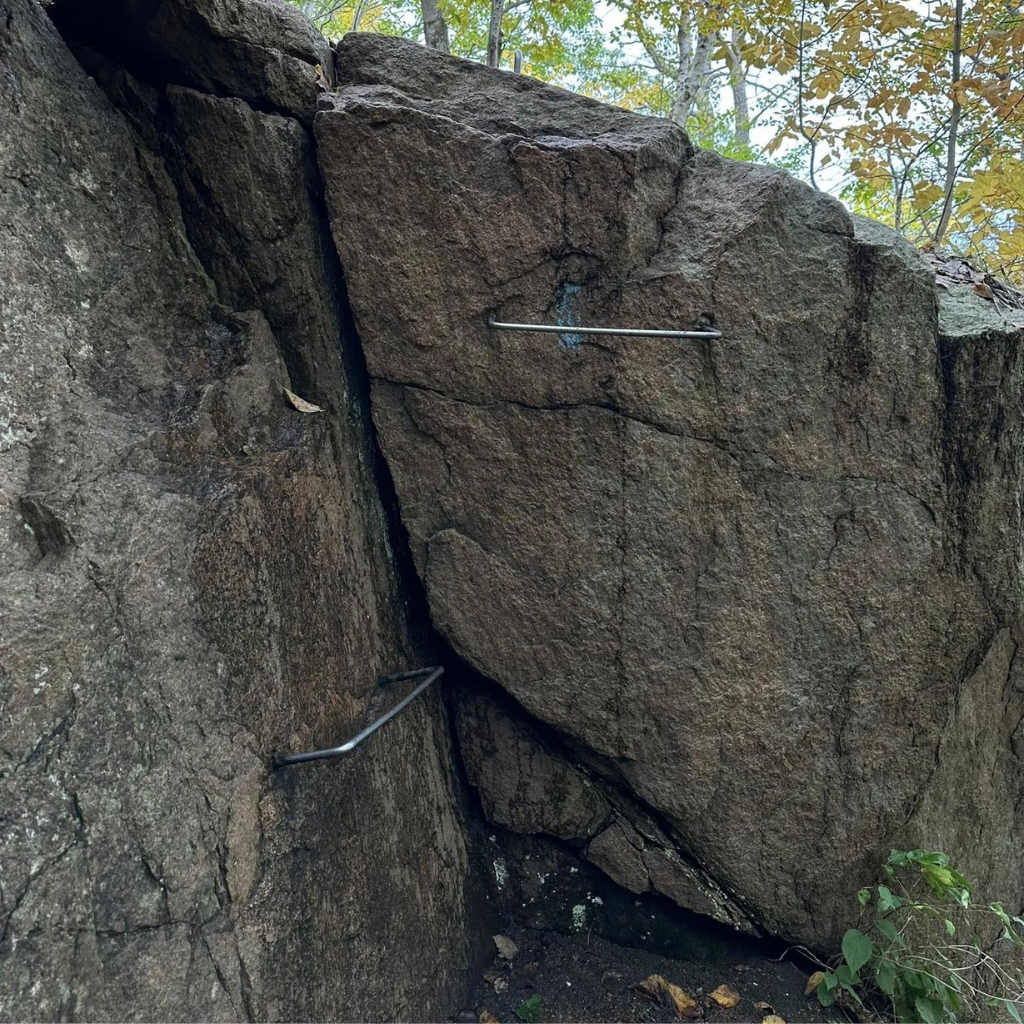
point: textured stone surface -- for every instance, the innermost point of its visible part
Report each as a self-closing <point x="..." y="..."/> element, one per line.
<point x="263" y="51"/>
<point x="536" y="785"/>
<point x="771" y="582"/>
<point x="193" y="574"/>
<point x="524" y="785"/>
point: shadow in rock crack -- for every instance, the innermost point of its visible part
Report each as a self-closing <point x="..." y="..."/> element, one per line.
<point x="537" y="880"/>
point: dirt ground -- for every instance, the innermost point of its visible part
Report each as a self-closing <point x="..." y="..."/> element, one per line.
<point x="581" y="978"/>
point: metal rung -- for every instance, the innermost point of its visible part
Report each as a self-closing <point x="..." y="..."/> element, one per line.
<point x="632" y="331"/>
<point x="432" y="673"/>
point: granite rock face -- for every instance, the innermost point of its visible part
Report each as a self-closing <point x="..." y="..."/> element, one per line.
<point x="193" y="573"/>
<point x="768" y="584"/>
<point x="262" y="51"/>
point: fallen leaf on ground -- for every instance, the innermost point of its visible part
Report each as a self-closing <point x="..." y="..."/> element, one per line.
<point x="773" y="1019"/>
<point x="813" y="982"/>
<point x="486" y="1017"/>
<point x="300" y="403"/>
<point x="661" y="991"/>
<point x="726" y="997"/>
<point x="507" y="949"/>
<point x="764" y="1007"/>
<point x="982" y="289"/>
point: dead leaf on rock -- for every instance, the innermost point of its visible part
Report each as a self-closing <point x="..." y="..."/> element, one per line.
<point x="983" y="290"/>
<point x="813" y="982"/>
<point x="507" y="949"/>
<point x="726" y="997"/>
<point x="497" y="980"/>
<point x="486" y="1017"/>
<point x="763" y="1007"/>
<point x="662" y="991"/>
<point x="773" y="1018"/>
<point x="300" y="403"/>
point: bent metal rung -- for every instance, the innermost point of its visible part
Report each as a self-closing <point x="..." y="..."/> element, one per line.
<point x="431" y="673"/>
<point x="638" y="332"/>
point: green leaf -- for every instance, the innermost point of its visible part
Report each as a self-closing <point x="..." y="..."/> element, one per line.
<point x="857" y="949"/>
<point x="887" y="900"/>
<point x="929" y="1010"/>
<point x="846" y="977"/>
<point x="897" y="859"/>
<point x="848" y="981"/>
<point x="529" y="1010"/>
<point x="1011" y="1009"/>
<point x="950" y="927"/>
<point x="825" y="988"/>
<point x="885" y="975"/>
<point x="864" y="897"/>
<point x="914" y="982"/>
<point x="888" y="929"/>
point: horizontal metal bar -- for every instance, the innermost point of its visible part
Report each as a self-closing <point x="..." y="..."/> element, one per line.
<point x="280" y="760"/>
<point x="632" y="331"/>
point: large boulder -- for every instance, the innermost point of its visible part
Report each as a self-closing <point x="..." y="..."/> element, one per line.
<point x="769" y="583"/>
<point x="193" y="574"/>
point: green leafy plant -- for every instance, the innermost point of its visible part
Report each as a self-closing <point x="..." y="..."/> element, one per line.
<point x="930" y="952"/>
<point x="529" y="1010"/>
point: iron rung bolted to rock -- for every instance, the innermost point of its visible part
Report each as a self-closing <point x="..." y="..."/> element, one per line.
<point x="431" y="673"/>
<point x="637" y="332"/>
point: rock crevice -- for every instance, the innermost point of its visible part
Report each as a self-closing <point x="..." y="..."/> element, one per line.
<point x="195" y="573"/>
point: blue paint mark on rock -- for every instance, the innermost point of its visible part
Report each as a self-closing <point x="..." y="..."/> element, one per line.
<point x="566" y="308"/>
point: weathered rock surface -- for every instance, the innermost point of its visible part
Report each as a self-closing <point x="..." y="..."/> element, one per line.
<point x="193" y="574"/>
<point x="536" y="786"/>
<point x="769" y="584"/>
<point x="263" y="51"/>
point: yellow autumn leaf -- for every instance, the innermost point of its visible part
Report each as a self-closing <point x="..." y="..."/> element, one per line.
<point x="725" y="996"/>
<point x="300" y="403"/>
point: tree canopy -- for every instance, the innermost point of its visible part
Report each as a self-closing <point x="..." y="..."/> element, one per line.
<point x="912" y="111"/>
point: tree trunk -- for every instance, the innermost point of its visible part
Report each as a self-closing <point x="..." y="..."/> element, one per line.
<point x="954" y="126"/>
<point x="694" y="63"/>
<point x="435" y="31"/>
<point x="494" y="33"/>
<point x="738" y="84"/>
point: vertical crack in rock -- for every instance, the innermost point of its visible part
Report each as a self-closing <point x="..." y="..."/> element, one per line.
<point x="196" y="573"/>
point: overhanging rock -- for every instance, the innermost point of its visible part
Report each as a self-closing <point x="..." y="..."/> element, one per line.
<point x="770" y="583"/>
